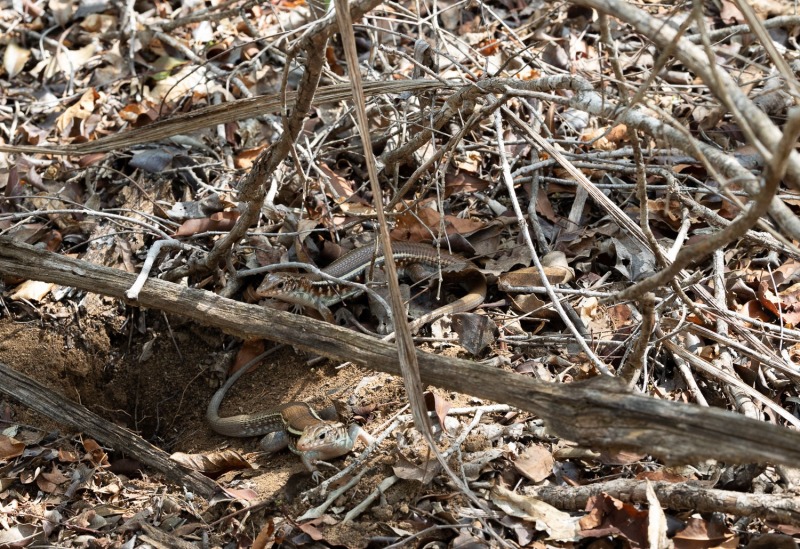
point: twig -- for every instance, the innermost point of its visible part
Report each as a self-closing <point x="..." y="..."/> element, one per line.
<point x="152" y="254"/>
<point x="772" y="177"/>
<point x="506" y="171"/>
<point x="254" y="187"/>
<point x="86" y="211"/>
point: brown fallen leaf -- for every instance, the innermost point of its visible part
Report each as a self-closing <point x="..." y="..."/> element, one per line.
<point x="407" y="470"/>
<point x="20" y="535"/>
<point x="10" y="448"/>
<point x="463" y="182"/>
<point x="609" y="516"/>
<point x="31" y="290"/>
<point x="214" y="463"/>
<point x="221" y="221"/>
<point x="535" y="463"/>
<point x="700" y="533"/>
<point x="559" y="525"/>
<point x="418" y="226"/>
<point x="475" y="331"/>
<point x="95" y="452"/>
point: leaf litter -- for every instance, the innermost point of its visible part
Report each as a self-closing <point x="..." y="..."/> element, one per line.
<point x="76" y="72"/>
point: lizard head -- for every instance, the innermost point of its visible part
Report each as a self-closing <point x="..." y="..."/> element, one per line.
<point x="325" y="440"/>
<point x="297" y="289"/>
<point x="281" y="285"/>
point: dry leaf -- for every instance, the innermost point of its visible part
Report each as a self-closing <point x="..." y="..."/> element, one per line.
<point x="99" y="22"/>
<point x="79" y="111"/>
<point x="247" y="352"/>
<point x="20" y="535"/>
<point x="407" y="470"/>
<point x="702" y="533"/>
<point x="14" y="58"/>
<point x="558" y="524"/>
<point x="66" y="61"/>
<point x="265" y="535"/>
<point x="10" y="447"/>
<point x="656" y="521"/>
<point x="535" y="463"/>
<point x="418" y="227"/>
<point x="609" y="516"/>
<point x="463" y="182"/>
<point x="31" y="290"/>
<point x="95" y="453"/>
<point x="62" y="11"/>
<point x="213" y="463"/>
<point x="221" y="221"/>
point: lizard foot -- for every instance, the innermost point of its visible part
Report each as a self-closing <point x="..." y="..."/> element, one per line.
<point x="316" y="475"/>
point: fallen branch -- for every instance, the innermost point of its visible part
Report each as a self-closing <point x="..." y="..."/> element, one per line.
<point x="49" y="403"/>
<point x="595" y="414"/>
<point x="780" y="508"/>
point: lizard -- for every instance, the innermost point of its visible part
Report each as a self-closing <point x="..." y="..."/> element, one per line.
<point x="295" y="425"/>
<point x="418" y="261"/>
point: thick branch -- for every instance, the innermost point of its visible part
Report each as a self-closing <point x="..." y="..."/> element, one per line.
<point x="595" y="414"/>
<point x="43" y="400"/>
<point x="783" y="509"/>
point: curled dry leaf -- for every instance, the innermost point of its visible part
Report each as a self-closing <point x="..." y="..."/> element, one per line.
<point x="31" y="290"/>
<point x="221" y="221"/>
<point x="656" y="521"/>
<point x="10" y="447"/>
<point x="244" y="159"/>
<point x="704" y="533"/>
<point x="138" y="114"/>
<point x="436" y="403"/>
<point x="605" y="139"/>
<point x="14" y="58"/>
<point x="532" y="306"/>
<point x="784" y="305"/>
<point x="69" y="123"/>
<point x="610" y="516"/>
<point x="407" y="470"/>
<point x="249" y="350"/>
<point x="20" y="535"/>
<point x="95" y="453"/>
<point x="265" y="535"/>
<point x="558" y="524"/>
<point x="213" y="463"/>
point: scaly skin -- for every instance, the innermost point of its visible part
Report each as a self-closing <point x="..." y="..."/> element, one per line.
<point x="417" y="260"/>
<point x="293" y="424"/>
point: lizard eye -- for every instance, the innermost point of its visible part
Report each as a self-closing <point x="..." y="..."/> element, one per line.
<point x="321" y="436"/>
